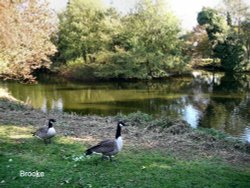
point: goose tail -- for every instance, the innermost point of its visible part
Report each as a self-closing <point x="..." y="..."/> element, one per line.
<point x="88" y="152"/>
<point x="33" y="133"/>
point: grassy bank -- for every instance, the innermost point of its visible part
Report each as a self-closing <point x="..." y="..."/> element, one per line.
<point x="157" y="153"/>
<point x="63" y="166"/>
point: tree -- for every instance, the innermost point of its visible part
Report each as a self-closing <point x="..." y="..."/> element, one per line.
<point x="236" y="11"/>
<point x="197" y="43"/>
<point x="148" y="45"/>
<point x="246" y="37"/>
<point x="142" y="44"/>
<point x="216" y="26"/>
<point x="26" y="28"/>
<point x="231" y="53"/>
<point x="83" y="30"/>
<point x="225" y="44"/>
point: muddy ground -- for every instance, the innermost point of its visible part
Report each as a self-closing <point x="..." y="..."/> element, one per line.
<point x="172" y="136"/>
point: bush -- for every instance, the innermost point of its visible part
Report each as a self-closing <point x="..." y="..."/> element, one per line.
<point x="77" y="70"/>
<point x="135" y="119"/>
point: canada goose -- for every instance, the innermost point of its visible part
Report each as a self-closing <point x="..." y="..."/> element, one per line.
<point x="110" y="147"/>
<point x="46" y="133"/>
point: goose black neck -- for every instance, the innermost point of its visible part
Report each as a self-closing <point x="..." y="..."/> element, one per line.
<point x="118" y="131"/>
<point x="50" y="124"/>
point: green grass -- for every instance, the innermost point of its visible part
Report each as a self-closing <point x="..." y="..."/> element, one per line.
<point x="132" y="168"/>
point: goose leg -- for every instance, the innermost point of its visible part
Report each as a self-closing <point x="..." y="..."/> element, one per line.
<point x="111" y="159"/>
<point x="104" y="157"/>
<point x="49" y="140"/>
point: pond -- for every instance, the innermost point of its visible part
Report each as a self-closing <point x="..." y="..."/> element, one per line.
<point x="211" y="100"/>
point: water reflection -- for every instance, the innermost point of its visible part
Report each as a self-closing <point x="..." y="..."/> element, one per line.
<point x="191" y="115"/>
<point x="228" y="108"/>
<point x="247" y="133"/>
<point x="215" y="100"/>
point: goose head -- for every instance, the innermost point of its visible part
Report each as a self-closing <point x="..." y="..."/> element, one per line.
<point x="120" y="124"/>
<point x="51" y="121"/>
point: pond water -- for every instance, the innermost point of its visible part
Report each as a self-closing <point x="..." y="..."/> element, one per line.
<point x="212" y="100"/>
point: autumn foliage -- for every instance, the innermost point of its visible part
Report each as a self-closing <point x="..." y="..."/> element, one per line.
<point x="26" y="27"/>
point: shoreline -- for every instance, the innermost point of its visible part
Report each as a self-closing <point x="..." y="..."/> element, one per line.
<point x="145" y="132"/>
<point x="157" y="152"/>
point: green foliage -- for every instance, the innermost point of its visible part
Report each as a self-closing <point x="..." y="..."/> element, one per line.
<point x="216" y="25"/>
<point x="240" y="13"/>
<point x="197" y="43"/>
<point x="246" y="38"/>
<point x="226" y="46"/>
<point x="156" y="38"/>
<point x="119" y="64"/>
<point x="230" y="43"/>
<point x="229" y="19"/>
<point x="231" y="53"/>
<point x="224" y="138"/>
<point x="84" y="30"/>
<point x="78" y="70"/>
<point x="213" y="132"/>
<point x="136" y="118"/>
<point x="143" y="44"/>
<point x="160" y="124"/>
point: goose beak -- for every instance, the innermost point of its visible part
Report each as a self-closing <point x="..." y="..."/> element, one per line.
<point x="122" y="124"/>
<point x="52" y="120"/>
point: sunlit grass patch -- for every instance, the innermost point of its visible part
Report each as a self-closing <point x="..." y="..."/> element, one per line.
<point x="10" y="134"/>
<point x="156" y="165"/>
<point x="64" y="140"/>
<point x="15" y="130"/>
